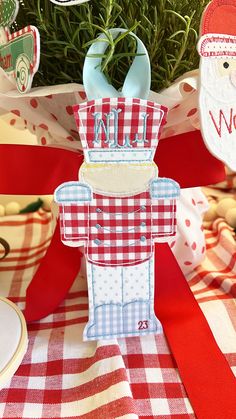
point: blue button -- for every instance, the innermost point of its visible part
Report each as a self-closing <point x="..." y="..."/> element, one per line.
<point x="98" y="210"/>
<point x="98" y="226"/>
<point x="143" y="224"/>
<point x="143" y="238"/>
<point x="143" y="207"/>
<point x="97" y="241"/>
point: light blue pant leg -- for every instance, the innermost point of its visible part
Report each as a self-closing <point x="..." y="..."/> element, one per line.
<point x="105" y="302"/>
<point x="138" y="292"/>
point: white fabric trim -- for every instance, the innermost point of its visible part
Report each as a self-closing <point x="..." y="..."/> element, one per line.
<point x="119" y="156"/>
<point x="217" y="45"/>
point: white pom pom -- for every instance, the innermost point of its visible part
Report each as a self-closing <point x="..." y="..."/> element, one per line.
<point x="230" y="217"/>
<point x="224" y="205"/>
<point x="12" y="208"/>
<point x="2" y="210"/>
<point x="211" y="214"/>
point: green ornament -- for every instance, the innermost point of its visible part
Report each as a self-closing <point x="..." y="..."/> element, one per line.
<point x="8" y="12"/>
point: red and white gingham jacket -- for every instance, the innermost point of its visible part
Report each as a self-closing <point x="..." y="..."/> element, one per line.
<point x="116" y="231"/>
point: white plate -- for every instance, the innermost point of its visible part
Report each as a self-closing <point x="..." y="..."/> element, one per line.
<point x="13" y="339"/>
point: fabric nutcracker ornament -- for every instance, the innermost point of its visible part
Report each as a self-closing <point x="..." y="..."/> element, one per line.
<point x="217" y="100"/>
<point x="119" y="207"/>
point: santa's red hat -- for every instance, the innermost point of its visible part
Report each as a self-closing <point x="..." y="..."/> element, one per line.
<point x="218" y="29"/>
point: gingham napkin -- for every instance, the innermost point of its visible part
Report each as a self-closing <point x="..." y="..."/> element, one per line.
<point x="63" y="377"/>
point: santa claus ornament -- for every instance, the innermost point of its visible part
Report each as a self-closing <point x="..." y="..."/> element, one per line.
<point x="119" y="207"/>
<point x="217" y="100"/>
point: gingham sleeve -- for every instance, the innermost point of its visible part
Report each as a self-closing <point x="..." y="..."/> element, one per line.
<point x="73" y="199"/>
<point x="164" y="193"/>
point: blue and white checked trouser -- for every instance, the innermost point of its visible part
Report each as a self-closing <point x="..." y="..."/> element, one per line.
<point x="121" y="301"/>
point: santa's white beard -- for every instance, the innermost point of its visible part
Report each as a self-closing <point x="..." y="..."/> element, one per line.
<point x="217" y="86"/>
<point x="217" y="103"/>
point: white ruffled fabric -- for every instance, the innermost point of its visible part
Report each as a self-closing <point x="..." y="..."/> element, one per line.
<point x="47" y="113"/>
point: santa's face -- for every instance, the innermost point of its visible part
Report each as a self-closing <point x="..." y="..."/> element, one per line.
<point x="218" y="107"/>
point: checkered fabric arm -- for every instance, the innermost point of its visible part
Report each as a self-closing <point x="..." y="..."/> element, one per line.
<point x="73" y="199"/>
<point x="164" y="193"/>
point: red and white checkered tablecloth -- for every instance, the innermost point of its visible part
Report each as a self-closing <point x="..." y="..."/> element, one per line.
<point x="63" y="377"/>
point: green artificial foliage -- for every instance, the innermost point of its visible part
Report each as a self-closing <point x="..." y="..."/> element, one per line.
<point x="168" y="28"/>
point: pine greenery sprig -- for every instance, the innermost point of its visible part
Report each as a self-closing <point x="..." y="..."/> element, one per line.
<point x="168" y="28"/>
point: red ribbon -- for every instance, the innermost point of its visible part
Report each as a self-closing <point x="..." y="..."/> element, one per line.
<point x="53" y="279"/>
<point x="207" y="377"/>
<point x="37" y="170"/>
